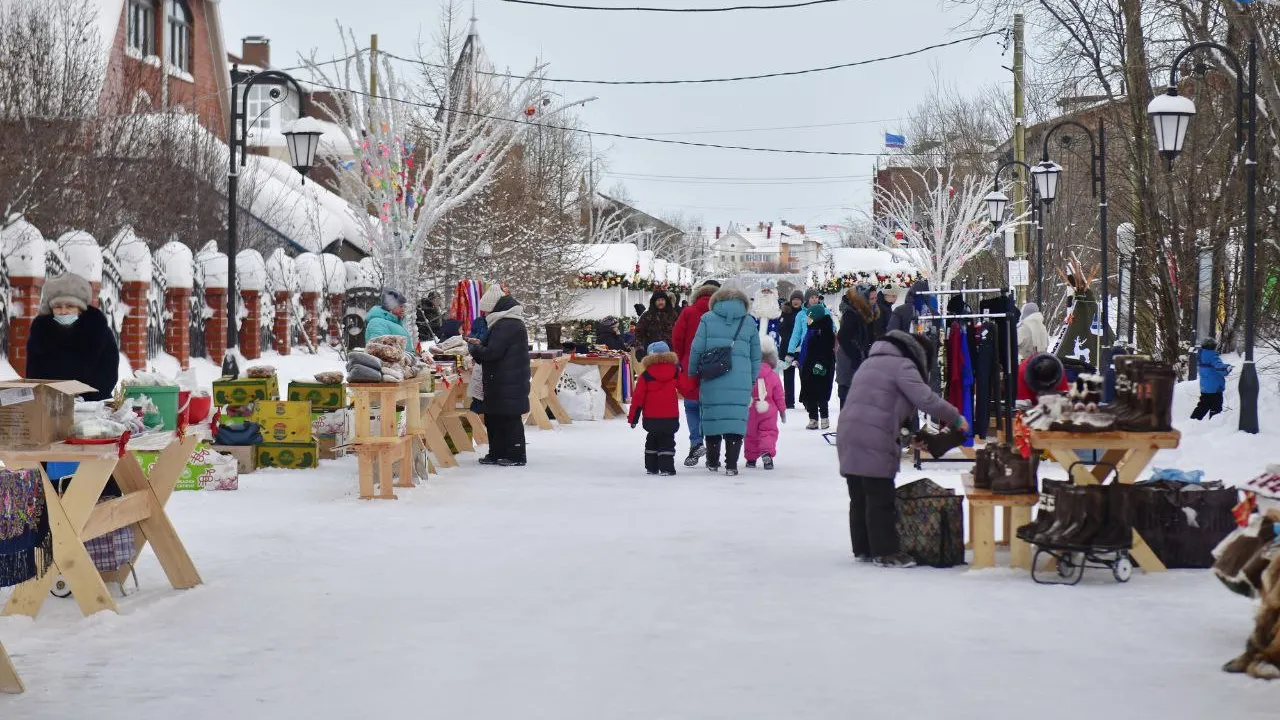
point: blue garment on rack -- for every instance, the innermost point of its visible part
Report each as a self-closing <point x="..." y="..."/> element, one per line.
<point x="967" y="370"/>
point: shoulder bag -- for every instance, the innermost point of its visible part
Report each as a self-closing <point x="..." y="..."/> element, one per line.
<point x="717" y="361"/>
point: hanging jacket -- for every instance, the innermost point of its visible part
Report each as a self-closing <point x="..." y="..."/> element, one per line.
<point x="1213" y="372"/>
<point x="655" y="398"/>
<point x="682" y="337"/>
<point x="725" y="399"/>
<point x="379" y="321"/>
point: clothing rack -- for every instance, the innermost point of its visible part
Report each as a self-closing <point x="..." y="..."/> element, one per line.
<point x="1010" y="350"/>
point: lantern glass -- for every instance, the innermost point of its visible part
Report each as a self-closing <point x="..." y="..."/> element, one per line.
<point x="1171" y="114"/>
<point x="1046" y="175"/>
<point x="997" y="203"/>
<point x="303" y="141"/>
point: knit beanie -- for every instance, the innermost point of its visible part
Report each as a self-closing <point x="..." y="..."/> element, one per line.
<point x="811" y="294"/>
<point x="797" y="295"/>
<point x="67" y="288"/>
<point x="1209" y="344"/>
<point x="609" y="322"/>
<point x="392" y="299"/>
<point x="490" y="298"/>
<point x="658" y="347"/>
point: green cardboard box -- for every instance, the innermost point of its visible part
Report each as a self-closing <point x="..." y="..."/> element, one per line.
<point x="295" y="456"/>
<point x="243" y="392"/>
<point x="322" y="397"/>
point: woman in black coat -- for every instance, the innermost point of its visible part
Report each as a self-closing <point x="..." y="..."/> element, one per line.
<point x="70" y="340"/>
<point x="818" y="365"/>
<point x="504" y="362"/>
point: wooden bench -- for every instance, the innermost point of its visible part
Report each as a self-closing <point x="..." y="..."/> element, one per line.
<point x="379" y="449"/>
<point x="982" y="525"/>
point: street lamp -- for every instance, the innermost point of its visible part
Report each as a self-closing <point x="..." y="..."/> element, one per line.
<point x="302" y="139"/>
<point x="1172" y="115"/>
<point x="998" y="202"/>
<point x="1049" y="172"/>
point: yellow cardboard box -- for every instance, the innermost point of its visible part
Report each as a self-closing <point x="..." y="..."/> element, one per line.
<point x="284" y="421"/>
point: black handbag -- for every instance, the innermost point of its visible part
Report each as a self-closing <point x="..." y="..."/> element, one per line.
<point x="717" y="361"/>
<point x="248" y="433"/>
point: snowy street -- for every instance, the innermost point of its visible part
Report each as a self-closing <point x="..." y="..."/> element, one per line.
<point x="580" y="588"/>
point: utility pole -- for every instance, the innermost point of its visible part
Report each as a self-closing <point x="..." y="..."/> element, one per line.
<point x="373" y="64"/>
<point x="1019" y="143"/>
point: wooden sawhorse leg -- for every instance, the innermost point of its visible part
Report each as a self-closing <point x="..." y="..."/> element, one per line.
<point x="10" y="683"/>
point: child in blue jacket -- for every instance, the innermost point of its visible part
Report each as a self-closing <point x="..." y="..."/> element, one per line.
<point x="1213" y="380"/>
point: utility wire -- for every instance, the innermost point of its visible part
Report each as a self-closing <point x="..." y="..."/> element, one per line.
<point x="739" y="78"/>
<point x="564" y="6"/>
<point x="780" y="127"/>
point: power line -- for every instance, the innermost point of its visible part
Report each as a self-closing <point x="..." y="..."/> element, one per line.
<point x="739" y="78"/>
<point x="766" y="183"/>
<point x="780" y="127"/>
<point x="715" y="177"/>
<point x="563" y="6"/>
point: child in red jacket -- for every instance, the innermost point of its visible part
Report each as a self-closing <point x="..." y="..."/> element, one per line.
<point x="655" y="398"/>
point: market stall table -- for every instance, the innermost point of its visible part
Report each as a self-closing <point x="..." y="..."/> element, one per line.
<point x="982" y="524"/>
<point x="453" y="416"/>
<point x="613" y="377"/>
<point x="76" y="516"/>
<point x="383" y="445"/>
<point x="544" y="377"/>
<point x="1129" y="453"/>
<point x="10" y="683"/>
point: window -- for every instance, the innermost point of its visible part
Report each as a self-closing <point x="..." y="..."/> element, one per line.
<point x="140" y="27"/>
<point x="259" y="111"/>
<point x="177" y="34"/>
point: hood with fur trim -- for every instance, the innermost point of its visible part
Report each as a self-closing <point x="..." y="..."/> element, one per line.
<point x="702" y="291"/>
<point x="658" y="359"/>
<point x="722" y="303"/>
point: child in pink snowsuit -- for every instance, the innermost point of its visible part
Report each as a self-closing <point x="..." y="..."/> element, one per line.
<point x="768" y="405"/>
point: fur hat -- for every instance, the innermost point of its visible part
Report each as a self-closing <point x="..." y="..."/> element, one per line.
<point x="490" y="299"/>
<point x="657" y="347"/>
<point x="1044" y="374"/>
<point x="729" y="293"/>
<point x="768" y="350"/>
<point x="712" y="282"/>
<point x="811" y="294"/>
<point x="609" y="322"/>
<point x="66" y="288"/>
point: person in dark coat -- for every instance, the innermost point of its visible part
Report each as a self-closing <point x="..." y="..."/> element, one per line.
<point x="430" y="318"/>
<point x="853" y="340"/>
<point x="504" y="357"/>
<point x="656" y="402"/>
<point x="656" y="324"/>
<point x="450" y="328"/>
<point x="818" y="366"/>
<point x="786" y="326"/>
<point x="71" y="340"/>
<point x="607" y="334"/>
<point x="903" y="318"/>
<point x="884" y="310"/>
<point x="891" y="384"/>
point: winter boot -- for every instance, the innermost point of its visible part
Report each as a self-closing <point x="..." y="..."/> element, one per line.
<point x="732" y="451"/>
<point x="751" y="464"/>
<point x="1090" y="522"/>
<point x="942" y="442"/>
<point x="897" y="560"/>
<point x="1018" y="476"/>
<point x="695" y="454"/>
<point x="1117" y="534"/>
<point x="1045" y="515"/>
<point x="1161" y="381"/>
<point x="1139" y="418"/>
<point x="1068" y="504"/>
<point x="825" y="423"/>
<point x="983" y="467"/>
<point x="667" y="463"/>
<point x="767" y="461"/>
<point x="651" y="462"/>
<point x="713" y="453"/>
<point x="813" y="425"/>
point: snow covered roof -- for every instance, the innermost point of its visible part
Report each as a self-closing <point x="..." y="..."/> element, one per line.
<point x="769" y="239"/>
<point x="849" y="260"/>
<point x="22" y="248"/>
<point x="332" y="140"/>
<point x="620" y="258"/>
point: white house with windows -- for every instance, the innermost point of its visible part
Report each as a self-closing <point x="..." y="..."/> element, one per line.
<point x="764" y="247"/>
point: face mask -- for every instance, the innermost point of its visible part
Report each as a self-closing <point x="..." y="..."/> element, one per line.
<point x="66" y="319"/>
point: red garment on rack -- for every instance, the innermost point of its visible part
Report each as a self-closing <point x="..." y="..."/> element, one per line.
<point x="955" y="366"/>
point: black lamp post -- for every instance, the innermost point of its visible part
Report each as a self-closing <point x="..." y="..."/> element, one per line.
<point x="302" y="139"/>
<point x="1172" y="115"/>
<point x="1046" y="174"/>
<point x="998" y="202"/>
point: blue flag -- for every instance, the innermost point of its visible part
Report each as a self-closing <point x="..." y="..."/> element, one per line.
<point x="895" y="142"/>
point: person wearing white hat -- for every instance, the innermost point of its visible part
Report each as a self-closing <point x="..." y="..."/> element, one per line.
<point x="70" y="339"/>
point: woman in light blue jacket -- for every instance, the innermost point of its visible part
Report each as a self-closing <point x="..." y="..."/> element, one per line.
<point x="725" y="400"/>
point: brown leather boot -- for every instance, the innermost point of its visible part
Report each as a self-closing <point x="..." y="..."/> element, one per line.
<point x="942" y="442"/>
<point x="1090" y="521"/>
<point x="1117" y="533"/>
<point x="982" y="468"/>
<point x="1161" y="381"/>
<point x="1018" y="476"/>
<point x="1046" y="514"/>
<point x="1137" y="418"/>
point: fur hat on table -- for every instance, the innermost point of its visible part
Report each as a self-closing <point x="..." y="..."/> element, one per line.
<point x="66" y="288"/>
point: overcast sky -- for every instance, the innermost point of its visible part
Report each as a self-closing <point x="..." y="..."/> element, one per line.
<point x="633" y="45"/>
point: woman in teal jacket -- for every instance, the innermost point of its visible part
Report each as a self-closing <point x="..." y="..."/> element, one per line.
<point x="725" y="399"/>
<point x="387" y="319"/>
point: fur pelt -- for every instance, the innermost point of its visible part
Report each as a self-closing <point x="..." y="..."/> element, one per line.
<point x="1261" y="658"/>
<point x="728" y="293"/>
<point x="659" y="358"/>
<point x="701" y="292"/>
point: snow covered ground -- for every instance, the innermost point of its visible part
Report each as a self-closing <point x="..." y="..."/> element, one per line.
<point x="578" y="587"/>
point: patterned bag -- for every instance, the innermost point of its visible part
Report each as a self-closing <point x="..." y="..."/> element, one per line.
<point x="931" y="523"/>
<point x="26" y="545"/>
<point x="112" y="551"/>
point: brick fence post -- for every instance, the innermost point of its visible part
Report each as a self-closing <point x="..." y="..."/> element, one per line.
<point x="311" y="316"/>
<point x="251" y="325"/>
<point x="24" y="296"/>
<point x="177" y="329"/>
<point x="133" y="333"/>
<point x="215" y="326"/>
<point x="335" y="317"/>
<point x="280" y="328"/>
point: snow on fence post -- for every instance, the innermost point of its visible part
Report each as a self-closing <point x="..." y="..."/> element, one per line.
<point x="335" y="281"/>
<point x="134" y="258"/>
<point x="214" y="265"/>
<point x="84" y="258"/>
<point x="22" y="251"/>
<point x="311" y="286"/>
<point x="282" y="278"/>
<point x="251" y="278"/>
<point x="179" y="269"/>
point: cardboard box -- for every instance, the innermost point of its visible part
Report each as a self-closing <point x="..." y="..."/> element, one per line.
<point x="326" y="447"/>
<point x="287" y="455"/>
<point x="243" y="392"/>
<point x="37" y="412"/>
<point x="335" y="423"/>
<point x="199" y="464"/>
<point x="245" y="455"/>
<point x="284" y="421"/>
<point x="322" y="397"/>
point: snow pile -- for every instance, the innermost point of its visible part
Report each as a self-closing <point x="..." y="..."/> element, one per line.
<point x="660" y="271"/>
<point x="363" y="274"/>
<point x="335" y="274"/>
<point x="618" y="258"/>
<point x="251" y="270"/>
<point x="132" y="255"/>
<point x="22" y="248"/>
<point x="282" y="274"/>
<point x="84" y="256"/>
<point x="853" y="260"/>
<point x="310" y="270"/>
<point x="645" y="266"/>
<point x="177" y="263"/>
<point x="213" y="265"/>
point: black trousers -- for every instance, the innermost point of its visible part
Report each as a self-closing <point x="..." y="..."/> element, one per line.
<point x="789" y="385"/>
<point x="818" y="409"/>
<point x="1210" y="405"/>
<point x="872" y="519"/>
<point x="732" y="450"/>
<point x="660" y="452"/>
<point x="842" y="391"/>
<point x="506" y="437"/>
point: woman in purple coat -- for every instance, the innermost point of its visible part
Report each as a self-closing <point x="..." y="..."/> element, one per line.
<point x="890" y="385"/>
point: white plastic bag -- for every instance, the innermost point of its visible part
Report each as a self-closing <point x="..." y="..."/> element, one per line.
<point x="581" y="393"/>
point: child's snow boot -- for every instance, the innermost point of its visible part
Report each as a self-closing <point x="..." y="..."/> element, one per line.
<point x="767" y="460"/>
